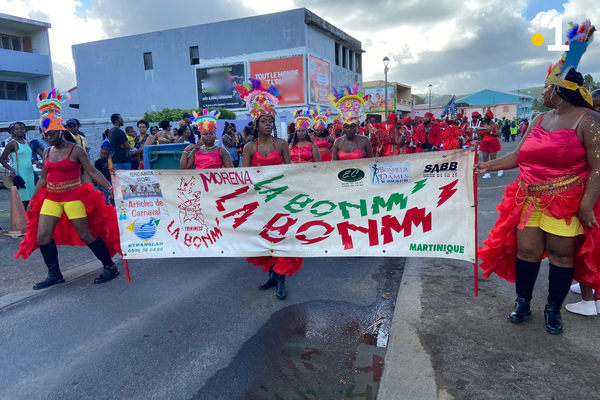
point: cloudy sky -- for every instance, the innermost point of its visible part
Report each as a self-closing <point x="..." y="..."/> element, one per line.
<point x="458" y="46"/>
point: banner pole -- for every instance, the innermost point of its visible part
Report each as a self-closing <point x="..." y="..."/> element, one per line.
<point x="476" y="263"/>
<point x="127" y="270"/>
<point x="111" y="171"/>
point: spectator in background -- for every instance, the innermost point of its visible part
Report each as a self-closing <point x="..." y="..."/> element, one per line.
<point x="165" y="135"/>
<point x="119" y="144"/>
<point x="79" y="139"/>
<point x="229" y="143"/>
<point x="101" y="165"/>
<point x="131" y="137"/>
<point x="291" y="129"/>
<point x="184" y="134"/>
<point x="140" y="141"/>
<point x="105" y="141"/>
<point x="38" y="145"/>
<point x="247" y="135"/>
<point x="505" y="129"/>
<point x="193" y="128"/>
<point x="596" y="99"/>
<point x="21" y="162"/>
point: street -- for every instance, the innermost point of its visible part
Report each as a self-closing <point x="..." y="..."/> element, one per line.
<point x="200" y="329"/>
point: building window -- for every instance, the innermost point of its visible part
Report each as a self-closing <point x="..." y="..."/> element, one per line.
<point x="10" y="42"/>
<point x="344" y="57"/>
<point x="505" y="109"/>
<point x="13" y="91"/>
<point x="148" y="65"/>
<point x="194" y="55"/>
<point x="358" y="63"/>
<point x="351" y="59"/>
<point x="337" y="54"/>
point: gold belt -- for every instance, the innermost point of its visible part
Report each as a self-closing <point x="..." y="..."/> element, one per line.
<point x="61" y="187"/>
<point x="552" y="187"/>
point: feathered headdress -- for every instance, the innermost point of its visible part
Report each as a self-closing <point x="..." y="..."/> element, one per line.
<point x="304" y="119"/>
<point x="261" y="99"/>
<point x="321" y="118"/>
<point x="206" y="121"/>
<point x="348" y="103"/>
<point x="50" y="105"/>
<point x="578" y="39"/>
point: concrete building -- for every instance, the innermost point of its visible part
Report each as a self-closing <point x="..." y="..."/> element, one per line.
<point x="196" y="66"/>
<point x="399" y="95"/>
<point x="421" y="109"/>
<point x="25" y="66"/>
<point x="502" y="104"/>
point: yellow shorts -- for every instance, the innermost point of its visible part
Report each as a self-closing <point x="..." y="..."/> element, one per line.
<point x="74" y="209"/>
<point x="551" y="225"/>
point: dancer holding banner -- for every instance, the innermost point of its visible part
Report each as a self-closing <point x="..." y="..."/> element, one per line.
<point x="265" y="150"/>
<point x="205" y="155"/>
<point x="552" y="208"/>
<point x="323" y="139"/>
<point x="88" y="220"/>
<point x="350" y="105"/>
<point x="302" y="148"/>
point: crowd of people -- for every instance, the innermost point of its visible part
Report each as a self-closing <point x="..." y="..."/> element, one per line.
<point x="550" y="210"/>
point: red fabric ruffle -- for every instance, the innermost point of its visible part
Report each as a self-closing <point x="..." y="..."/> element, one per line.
<point x="325" y="156"/>
<point x="102" y="220"/>
<point x="499" y="252"/>
<point x="281" y="265"/>
<point x="490" y="144"/>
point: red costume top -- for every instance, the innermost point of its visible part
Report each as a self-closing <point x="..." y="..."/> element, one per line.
<point x="450" y="137"/>
<point x="353" y="155"/>
<point x="553" y="171"/>
<point x="391" y="142"/>
<point x="281" y="265"/>
<point x="431" y="134"/>
<point x="210" y="160"/>
<point x="63" y="179"/>
<point x="377" y="139"/>
<point x="258" y="160"/>
<point x="300" y="155"/>
<point x="63" y="184"/>
<point x="323" y="145"/>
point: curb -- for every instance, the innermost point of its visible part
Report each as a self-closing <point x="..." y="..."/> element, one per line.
<point x="408" y="372"/>
<point x="71" y="275"/>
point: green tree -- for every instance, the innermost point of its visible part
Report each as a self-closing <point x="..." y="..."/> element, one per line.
<point x="588" y="82"/>
<point x="537" y="105"/>
<point x="419" y="100"/>
<point x="176" y="114"/>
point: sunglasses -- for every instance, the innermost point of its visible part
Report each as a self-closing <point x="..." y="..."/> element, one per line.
<point x="71" y="125"/>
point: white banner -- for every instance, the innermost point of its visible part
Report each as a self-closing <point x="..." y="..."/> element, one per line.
<point x="418" y="205"/>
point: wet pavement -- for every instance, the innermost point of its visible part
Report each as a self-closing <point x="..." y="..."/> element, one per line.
<point x="200" y="329"/>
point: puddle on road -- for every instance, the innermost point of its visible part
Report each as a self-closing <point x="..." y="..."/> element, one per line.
<point x="313" y="351"/>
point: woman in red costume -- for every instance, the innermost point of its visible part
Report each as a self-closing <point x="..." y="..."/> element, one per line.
<point x="350" y="146"/>
<point x="377" y="139"/>
<point x="63" y="211"/>
<point x="266" y="150"/>
<point x="489" y="144"/>
<point x="391" y="138"/>
<point x="205" y="155"/>
<point x="450" y="136"/>
<point x="302" y="148"/>
<point x="552" y="208"/>
<point x="323" y="139"/>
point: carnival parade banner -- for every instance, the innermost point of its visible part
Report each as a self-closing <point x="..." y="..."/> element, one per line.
<point x="418" y="205"/>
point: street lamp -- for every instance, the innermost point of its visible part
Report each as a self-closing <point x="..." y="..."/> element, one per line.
<point x="430" y="97"/>
<point x="386" y="61"/>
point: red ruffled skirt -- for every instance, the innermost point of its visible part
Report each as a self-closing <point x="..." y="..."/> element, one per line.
<point x="490" y="144"/>
<point x="387" y="150"/>
<point x="451" y="144"/>
<point x="326" y="156"/>
<point x="102" y="220"/>
<point x="281" y="265"/>
<point x="499" y="252"/>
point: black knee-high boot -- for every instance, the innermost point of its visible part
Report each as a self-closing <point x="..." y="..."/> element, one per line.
<point x="50" y="254"/>
<point x="526" y="274"/>
<point x="559" y="282"/>
<point x="110" y="270"/>
<point x="271" y="281"/>
<point x="281" y="291"/>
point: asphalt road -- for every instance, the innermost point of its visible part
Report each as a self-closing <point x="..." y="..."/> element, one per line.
<point x="200" y="329"/>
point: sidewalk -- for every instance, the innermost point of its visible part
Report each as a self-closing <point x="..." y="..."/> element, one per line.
<point x="18" y="276"/>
